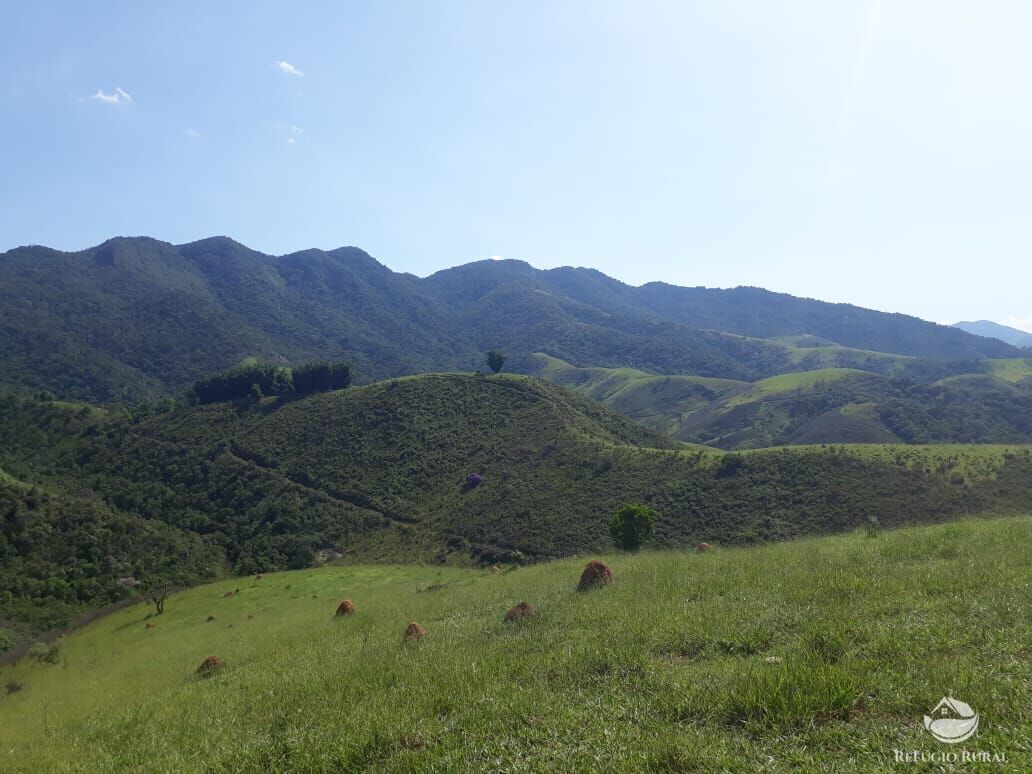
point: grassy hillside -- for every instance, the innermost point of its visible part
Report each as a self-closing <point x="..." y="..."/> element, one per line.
<point x="827" y="405"/>
<point x="380" y="473"/>
<point x="813" y="654"/>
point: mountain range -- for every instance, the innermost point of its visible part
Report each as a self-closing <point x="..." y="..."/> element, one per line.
<point x="1014" y="336"/>
<point x="137" y="319"/>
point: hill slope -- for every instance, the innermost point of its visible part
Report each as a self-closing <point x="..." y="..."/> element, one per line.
<point x="380" y="473"/>
<point x="817" y="654"/>
<point x="136" y="318"/>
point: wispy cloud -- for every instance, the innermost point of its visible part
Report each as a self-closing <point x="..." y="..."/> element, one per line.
<point x="192" y="133"/>
<point x="295" y="132"/>
<point x="289" y="69"/>
<point x="118" y="97"/>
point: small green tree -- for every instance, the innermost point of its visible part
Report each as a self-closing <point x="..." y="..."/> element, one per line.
<point x="157" y="590"/>
<point x="495" y="360"/>
<point x="632" y="526"/>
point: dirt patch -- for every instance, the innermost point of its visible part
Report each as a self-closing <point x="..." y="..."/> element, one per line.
<point x="495" y="569"/>
<point x="596" y="574"/>
<point x="520" y="611"/>
<point x="702" y="548"/>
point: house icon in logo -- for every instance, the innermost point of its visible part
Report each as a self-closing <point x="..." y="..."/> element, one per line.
<point x="951" y="721"/>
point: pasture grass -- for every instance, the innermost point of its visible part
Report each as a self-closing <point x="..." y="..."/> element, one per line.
<point x="813" y="654"/>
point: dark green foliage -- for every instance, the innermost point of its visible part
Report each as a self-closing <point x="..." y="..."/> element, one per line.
<point x="250" y="380"/>
<point x="495" y="360"/>
<point x="257" y="380"/>
<point x="729" y="465"/>
<point x="321" y="376"/>
<point x="632" y="526"/>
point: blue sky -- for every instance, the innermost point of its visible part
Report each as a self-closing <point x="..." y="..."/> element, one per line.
<point x="870" y="152"/>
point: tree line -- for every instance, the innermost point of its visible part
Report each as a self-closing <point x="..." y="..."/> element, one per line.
<point x="257" y="380"/>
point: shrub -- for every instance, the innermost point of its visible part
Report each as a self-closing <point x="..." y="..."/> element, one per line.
<point x="729" y="465"/>
<point x="495" y="360"/>
<point x="13" y="686"/>
<point x="872" y="527"/>
<point x="632" y="526"/>
<point x="46" y="652"/>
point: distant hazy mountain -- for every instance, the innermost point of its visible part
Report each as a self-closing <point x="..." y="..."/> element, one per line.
<point x="136" y="318"/>
<point x="1018" y="338"/>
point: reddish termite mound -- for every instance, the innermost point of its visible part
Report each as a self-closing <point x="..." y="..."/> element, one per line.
<point x="702" y="547"/>
<point x="596" y="574"/>
<point x="347" y="607"/>
<point x="210" y="666"/>
<point x="522" y="610"/>
<point x="414" y="631"/>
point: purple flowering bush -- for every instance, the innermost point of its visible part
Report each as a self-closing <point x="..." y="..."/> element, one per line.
<point x="473" y="480"/>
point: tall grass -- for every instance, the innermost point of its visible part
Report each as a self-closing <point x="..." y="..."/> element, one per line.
<point x="819" y="653"/>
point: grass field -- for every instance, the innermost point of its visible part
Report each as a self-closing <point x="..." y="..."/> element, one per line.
<point x="813" y="654"/>
<point x="782" y="384"/>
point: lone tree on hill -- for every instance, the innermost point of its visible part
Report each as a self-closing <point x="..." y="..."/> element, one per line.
<point x="157" y="590"/>
<point x="495" y="360"/>
<point x="632" y="526"/>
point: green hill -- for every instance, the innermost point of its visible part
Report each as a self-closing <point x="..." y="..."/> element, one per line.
<point x="828" y="405"/>
<point x="818" y="654"/>
<point x="382" y="473"/>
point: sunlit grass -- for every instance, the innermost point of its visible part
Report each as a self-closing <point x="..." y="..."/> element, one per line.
<point x="815" y="653"/>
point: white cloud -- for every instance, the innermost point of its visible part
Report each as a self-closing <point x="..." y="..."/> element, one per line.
<point x="296" y="130"/>
<point x="192" y="133"/>
<point x="289" y="69"/>
<point x="290" y="141"/>
<point x="497" y="258"/>
<point x="119" y="96"/>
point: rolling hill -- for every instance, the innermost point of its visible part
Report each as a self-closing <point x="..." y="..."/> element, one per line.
<point x="828" y="405"/>
<point x="382" y="472"/>
<point x="137" y="319"/>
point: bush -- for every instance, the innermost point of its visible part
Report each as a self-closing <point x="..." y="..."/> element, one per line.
<point x="872" y="528"/>
<point x="632" y="526"/>
<point x="46" y="652"/>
